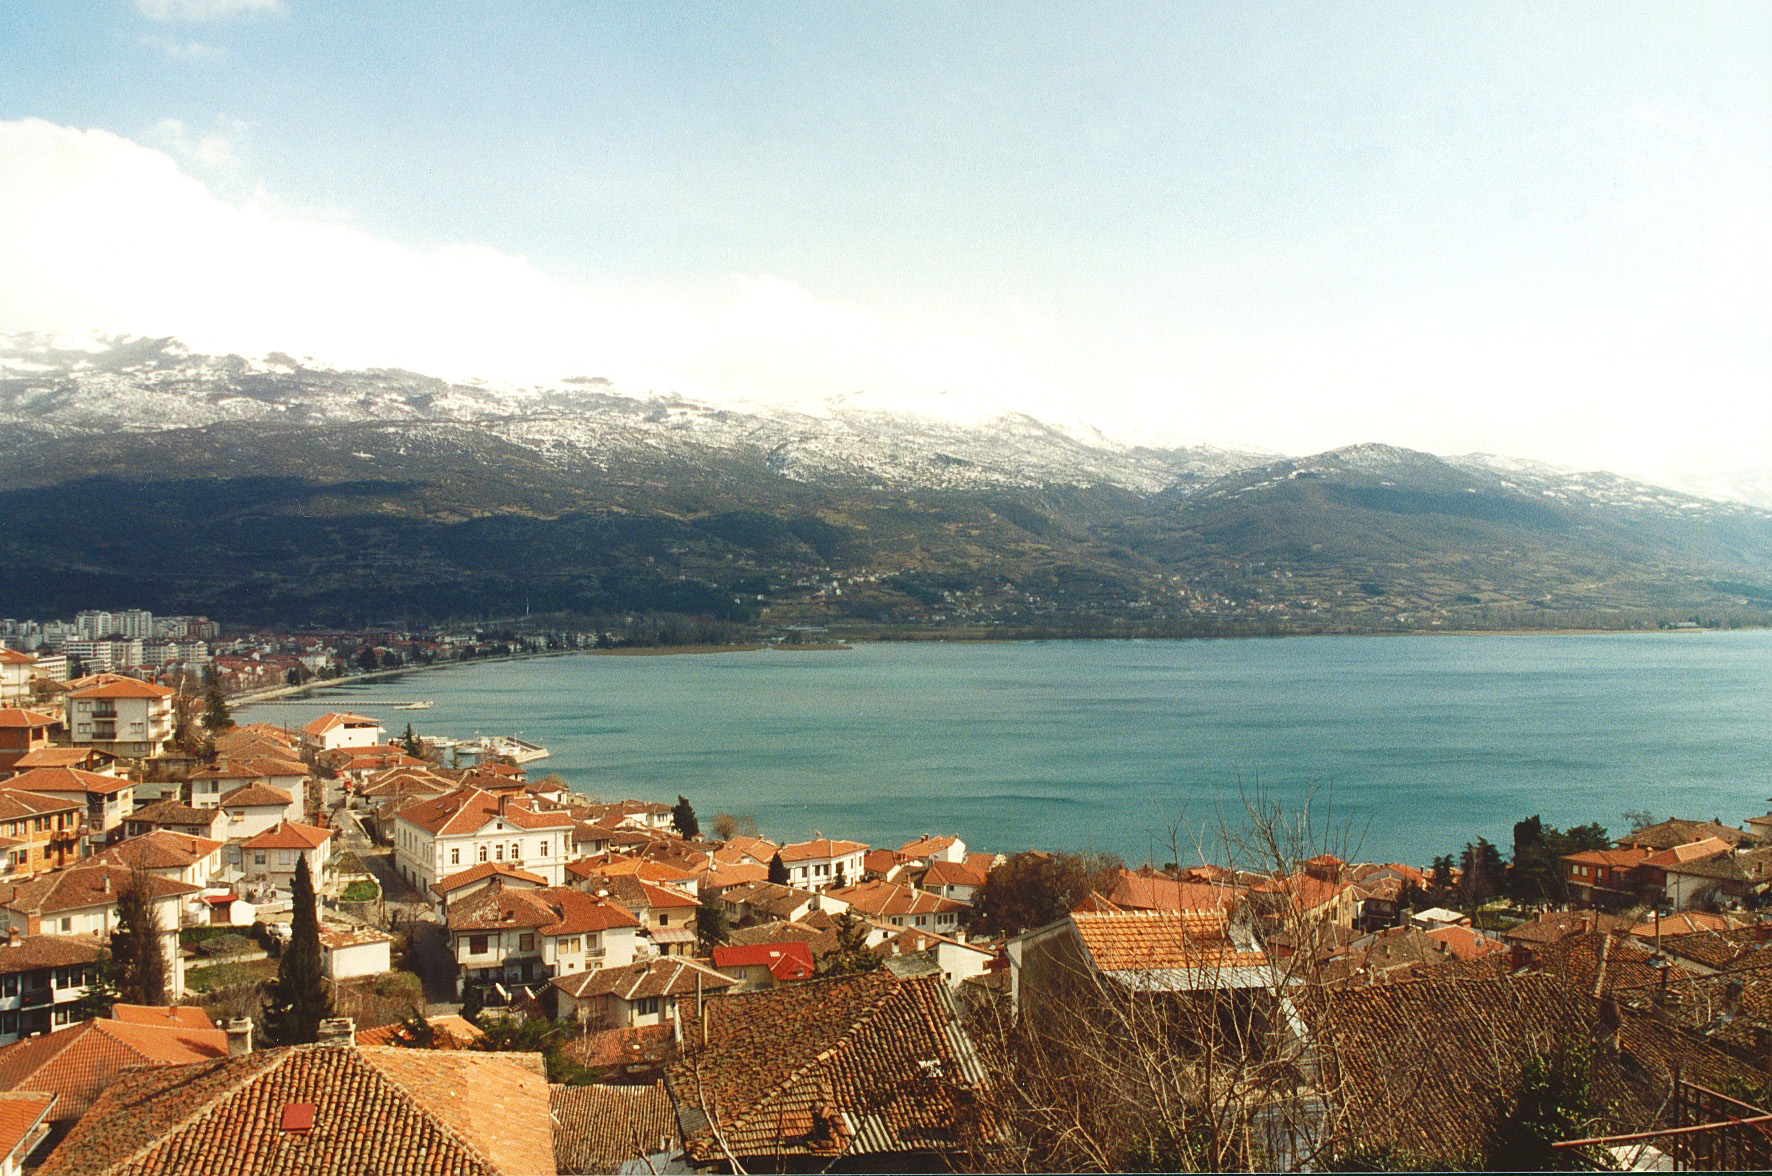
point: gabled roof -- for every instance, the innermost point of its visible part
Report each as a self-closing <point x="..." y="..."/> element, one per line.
<point x="659" y="976"/>
<point x="634" y="894"/>
<point x="173" y="812"/>
<point x="770" y="898"/>
<point x="449" y="1030"/>
<point x="122" y="688"/>
<point x="855" y="1066"/>
<point x="158" y="1016"/>
<point x="890" y="899"/>
<point x="257" y="795"/>
<point x="468" y="810"/>
<point x="474" y="874"/>
<point x="77" y="887"/>
<point x="819" y="849"/>
<point x="58" y="757"/>
<point x="1667" y="834"/>
<point x="946" y="873"/>
<point x="16" y="803"/>
<point x="923" y="847"/>
<point x="1154" y="892"/>
<point x="1465" y="943"/>
<point x="1617" y="859"/>
<point x="12" y="657"/>
<point x="12" y="716"/>
<point x="289" y="835"/>
<point x="601" y="1128"/>
<point x="333" y="722"/>
<point x="81" y="1060"/>
<point x="552" y="910"/>
<point x="369" y="1106"/>
<point x="162" y="849"/>
<point x="785" y="961"/>
<point x="68" y="780"/>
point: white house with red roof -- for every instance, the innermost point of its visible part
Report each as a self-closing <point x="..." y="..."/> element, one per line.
<point x="126" y="717"/>
<point x="822" y="862"/>
<point x="333" y="731"/>
<point x="527" y="935"/>
<point x="765" y="965"/>
<point x="252" y="808"/>
<point x="179" y="856"/>
<point x="271" y="856"/>
<point x="929" y="848"/>
<point x="446" y="834"/>
<point x="904" y="906"/>
<point x="16" y="671"/>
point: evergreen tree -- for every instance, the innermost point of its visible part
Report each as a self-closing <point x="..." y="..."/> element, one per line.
<point x="683" y="817"/>
<point x="778" y="873"/>
<point x="138" y="961"/>
<point x="409" y="743"/>
<point x="852" y="954"/>
<point x="216" y="715"/>
<point x="1551" y="1103"/>
<point x="100" y="992"/>
<point x="710" y="924"/>
<point x="297" y="999"/>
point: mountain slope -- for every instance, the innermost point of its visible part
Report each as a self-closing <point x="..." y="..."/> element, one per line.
<point x="269" y="491"/>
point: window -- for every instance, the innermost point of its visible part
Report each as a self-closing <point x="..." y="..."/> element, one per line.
<point x="498" y="852"/>
<point x="68" y="924"/>
<point x="482" y="853"/>
<point x="526" y="941"/>
<point x="541" y="849"/>
<point x="8" y="1022"/>
<point x="284" y="858"/>
<point x="258" y="857"/>
<point x="664" y="920"/>
<point x="922" y="920"/>
<point x="64" y="1014"/>
<point x="476" y="945"/>
<point x="647" y="1006"/>
<point x="516" y="851"/>
<point x="455" y="857"/>
<point x="9" y="986"/>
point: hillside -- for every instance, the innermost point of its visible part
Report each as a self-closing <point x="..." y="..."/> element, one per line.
<point x="262" y="491"/>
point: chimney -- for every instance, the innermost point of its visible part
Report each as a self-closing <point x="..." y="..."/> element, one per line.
<point x="504" y="804"/>
<point x="239" y="1037"/>
<point x="12" y="937"/>
<point x="336" y="1031"/>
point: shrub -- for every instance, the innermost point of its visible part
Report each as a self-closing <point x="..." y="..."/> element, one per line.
<point x="362" y="890"/>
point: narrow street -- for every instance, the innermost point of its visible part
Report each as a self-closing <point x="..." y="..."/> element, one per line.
<point x="431" y="958"/>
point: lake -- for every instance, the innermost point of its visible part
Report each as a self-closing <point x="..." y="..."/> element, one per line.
<point x="1410" y="746"/>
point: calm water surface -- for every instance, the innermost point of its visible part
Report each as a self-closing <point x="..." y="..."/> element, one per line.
<point x="1422" y="743"/>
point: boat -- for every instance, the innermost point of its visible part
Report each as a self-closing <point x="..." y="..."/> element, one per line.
<point x="426" y="705"/>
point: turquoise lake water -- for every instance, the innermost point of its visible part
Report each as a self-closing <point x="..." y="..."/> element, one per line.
<point x="1423" y="743"/>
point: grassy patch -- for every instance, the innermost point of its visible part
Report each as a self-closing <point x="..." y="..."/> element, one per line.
<point x="229" y="975"/>
<point x="362" y="890"/>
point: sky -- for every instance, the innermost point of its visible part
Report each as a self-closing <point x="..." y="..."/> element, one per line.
<point x="1541" y="230"/>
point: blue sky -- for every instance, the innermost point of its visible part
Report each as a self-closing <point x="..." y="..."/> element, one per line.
<point x="1526" y="228"/>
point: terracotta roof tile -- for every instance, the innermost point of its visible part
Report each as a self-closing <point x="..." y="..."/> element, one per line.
<point x="474" y="874"/>
<point x="289" y="835"/>
<point x="1142" y="941"/>
<point x="163" y="849"/>
<point x="123" y="688"/>
<point x="255" y="795"/>
<point x="80" y="1061"/>
<point x="427" y="1111"/>
<point x="600" y="1128"/>
<point x="92" y="884"/>
<point x="883" y="899"/>
<point x="12" y="716"/>
<point x="854" y="1066"/>
<point x="332" y="722"/>
<point x="819" y="848"/>
<point x="16" y="803"/>
<point x="467" y="810"/>
<point x="552" y="910"/>
<point x="785" y="961"/>
<point x="159" y="1016"/>
<point x="31" y="952"/>
<point x="658" y="976"/>
<point x="59" y="780"/>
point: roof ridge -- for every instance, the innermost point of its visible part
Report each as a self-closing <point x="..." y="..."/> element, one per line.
<point x="198" y="1113"/>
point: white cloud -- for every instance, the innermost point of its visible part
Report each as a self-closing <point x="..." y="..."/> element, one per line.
<point x="200" y="10"/>
<point x="101" y="233"/>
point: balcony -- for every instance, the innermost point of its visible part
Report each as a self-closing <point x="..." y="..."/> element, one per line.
<point x="36" y="998"/>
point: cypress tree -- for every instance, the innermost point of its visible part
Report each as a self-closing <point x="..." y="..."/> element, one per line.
<point x="683" y="817"/>
<point x="778" y="873"/>
<point x="297" y="1000"/>
<point x="138" y="961"/>
<point x="216" y="715"/>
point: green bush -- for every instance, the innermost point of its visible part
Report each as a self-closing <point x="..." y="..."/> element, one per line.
<point x="362" y="890"/>
<point x="225" y="945"/>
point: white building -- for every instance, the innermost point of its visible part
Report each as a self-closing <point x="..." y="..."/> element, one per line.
<point x="814" y="865"/>
<point x="331" y="732"/>
<point x="42" y="978"/>
<point x="519" y="935"/>
<point x="107" y="799"/>
<point x="349" y="952"/>
<point x="256" y="807"/>
<point x="82" y="901"/>
<point x="16" y="671"/>
<point x="122" y="716"/>
<point x="271" y="857"/>
<point x="468" y="827"/>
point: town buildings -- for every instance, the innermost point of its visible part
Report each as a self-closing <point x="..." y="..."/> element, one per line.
<point x="442" y="836"/>
<point x="125" y="717"/>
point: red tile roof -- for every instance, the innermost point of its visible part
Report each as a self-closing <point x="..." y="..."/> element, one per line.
<point x="55" y="757"/>
<point x="1618" y="859"/>
<point x="88" y="885"/>
<point x="289" y="835"/>
<point x="823" y="847"/>
<point x="163" y="849"/>
<point x="21" y="1111"/>
<point x="1691" y="851"/>
<point x="473" y="874"/>
<point x="883" y="899"/>
<point x="659" y="976"/>
<point x="122" y="688"/>
<point x="449" y="1031"/>
<point x="68" y="780"/>
<point x="923" y="847"/>
<point x="32" y="952"/>
<point x="945" y="873"/>
<point x="552" y="910"/>
<point x="16" y="804"/>
<point x="785" y="961"/>
<point x="1138" y="941"/>
<point x="13" y="657"/>
<point x="1153" y="892"/>
<point x="332" y="722"/>
<point x="80" y="1061"/>
<point x="468" y="810"/>
<point x="601" y="1128"/>
<point x="159" y="1016"/>
<point x="12" y="716"/>
<point x="257" y="795"/>
<point x="855" y="1066"/>
<point x="374" y="1110"/>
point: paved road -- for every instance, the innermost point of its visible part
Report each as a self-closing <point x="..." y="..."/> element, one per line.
<point x="430" y="944"/>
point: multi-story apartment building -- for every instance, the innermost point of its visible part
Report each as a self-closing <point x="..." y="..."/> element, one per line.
<point x="126" y="717"/>
<point x="816" y="864"/>
<point x="446" y="834"/>
<point x="41" y="832"/>
<point x="22" y="731"/>
<point x="16" y="671"/>
<point x="42" y="978"/>
<point x="105" y="799"/>
<point x="510" y="935"/>
<point x="81" y="901"/>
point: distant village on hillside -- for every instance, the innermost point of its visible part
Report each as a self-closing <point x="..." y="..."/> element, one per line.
<point x="226" y="946"/>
